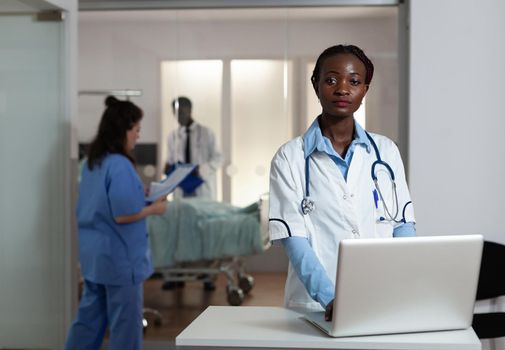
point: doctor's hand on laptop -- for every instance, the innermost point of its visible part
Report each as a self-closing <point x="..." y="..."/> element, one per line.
<point x="328" y="311"/>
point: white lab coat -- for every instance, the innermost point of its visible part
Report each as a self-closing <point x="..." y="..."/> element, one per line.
<point x="204" y="153"/>
<point x="342" y="209"/>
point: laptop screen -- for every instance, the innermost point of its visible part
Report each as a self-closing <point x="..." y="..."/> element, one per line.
<point x="411" y="284"/>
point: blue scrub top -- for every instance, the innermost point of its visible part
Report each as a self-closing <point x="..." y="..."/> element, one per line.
<point x="111" y="253"/>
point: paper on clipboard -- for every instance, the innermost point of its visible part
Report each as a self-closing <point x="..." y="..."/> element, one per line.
<point x="168" y="185"/>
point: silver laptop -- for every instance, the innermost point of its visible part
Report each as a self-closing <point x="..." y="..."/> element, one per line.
<point x="403" y="285"/>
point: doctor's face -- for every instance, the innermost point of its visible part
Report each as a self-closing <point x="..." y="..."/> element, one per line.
<point x="132" y="136"/>
<point x="341" y="86"/>
<point x="183" y="114"/>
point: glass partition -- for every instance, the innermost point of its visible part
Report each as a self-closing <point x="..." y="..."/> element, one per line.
<point x="261" y="120"/>
<point x="204" y="54"/>
<point x="33" y="150"/>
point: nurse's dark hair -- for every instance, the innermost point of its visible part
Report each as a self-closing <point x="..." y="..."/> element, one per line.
<point x="117" y="119"/>
<point x="337" y="50"/>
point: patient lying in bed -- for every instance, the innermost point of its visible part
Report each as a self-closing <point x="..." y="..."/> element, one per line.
<point x="197" y="229"/>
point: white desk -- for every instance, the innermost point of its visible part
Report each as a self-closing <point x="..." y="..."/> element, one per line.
<point x="277" y="327"/>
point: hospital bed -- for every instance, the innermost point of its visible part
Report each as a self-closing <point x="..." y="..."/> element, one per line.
<point x="195" y="240"/>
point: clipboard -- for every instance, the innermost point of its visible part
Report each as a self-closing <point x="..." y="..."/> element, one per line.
<point x="168" y="185"/>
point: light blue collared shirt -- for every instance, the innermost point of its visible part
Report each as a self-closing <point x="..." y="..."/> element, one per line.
<point x="313" y="140"/>
<point x="305" y="262"/>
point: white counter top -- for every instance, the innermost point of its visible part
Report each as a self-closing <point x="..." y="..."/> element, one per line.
<point x="277" y="327"/>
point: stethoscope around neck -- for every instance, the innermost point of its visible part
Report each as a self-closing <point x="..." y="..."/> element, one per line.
<point x="308" y="205"/>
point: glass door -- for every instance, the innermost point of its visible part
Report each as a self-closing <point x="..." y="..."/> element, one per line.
<point x="34" y="148"/>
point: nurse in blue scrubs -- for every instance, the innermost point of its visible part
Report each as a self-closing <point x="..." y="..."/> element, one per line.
<point x="113" y="244"/>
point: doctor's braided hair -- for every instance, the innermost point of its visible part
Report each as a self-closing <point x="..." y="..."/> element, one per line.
<point x="117" y="119"/>
<point x="342" y="49"/>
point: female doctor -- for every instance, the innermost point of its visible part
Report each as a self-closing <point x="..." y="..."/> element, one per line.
<point x="336" y="181"/>
<point x="113" y="249"/>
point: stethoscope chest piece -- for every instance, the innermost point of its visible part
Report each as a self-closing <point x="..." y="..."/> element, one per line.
<point x="307" y="206"/>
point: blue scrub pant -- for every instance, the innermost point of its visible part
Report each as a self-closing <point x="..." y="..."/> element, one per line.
<point x="119" y="307"/>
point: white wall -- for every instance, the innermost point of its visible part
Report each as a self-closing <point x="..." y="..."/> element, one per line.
<point x="457" y="116"/>
<point x="125" y="51"/>
<point x="457" y="121"/>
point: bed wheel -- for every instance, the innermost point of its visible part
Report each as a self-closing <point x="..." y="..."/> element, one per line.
<point x="144" y="326"/>
<point x="246" y="283"/>
<point x="209" y="286"/>
<point x="235" y="296"/>
<point x="153" y="314"/>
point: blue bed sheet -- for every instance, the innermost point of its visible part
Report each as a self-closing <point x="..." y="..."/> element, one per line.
<point x="196" y="229"/>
